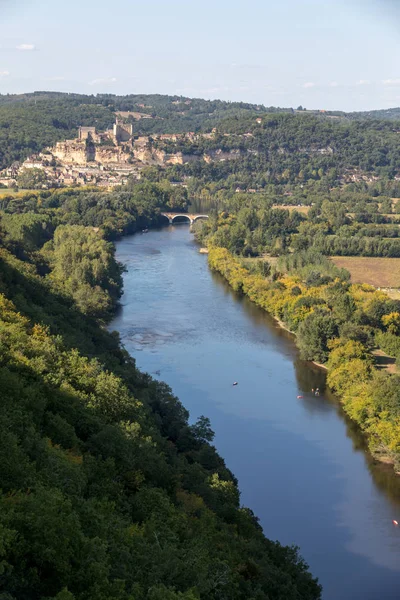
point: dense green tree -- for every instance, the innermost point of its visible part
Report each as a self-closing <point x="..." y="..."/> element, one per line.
<point x="83" y="264"/>
<point x="106" y="491"/>
<point x="314" y="334"/>
<point x="34" y="179"/>
<point x="28" y="231"/>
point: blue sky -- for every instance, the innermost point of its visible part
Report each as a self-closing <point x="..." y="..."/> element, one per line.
<point x="328" y="54"/>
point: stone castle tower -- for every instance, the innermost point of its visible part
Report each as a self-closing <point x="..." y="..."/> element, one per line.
<point x="84" y="132"/>
<point x="123" y="132"/>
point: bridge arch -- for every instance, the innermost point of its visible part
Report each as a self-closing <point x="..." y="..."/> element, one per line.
<point x="181" y="219"/>
<point x="165" y="219"/>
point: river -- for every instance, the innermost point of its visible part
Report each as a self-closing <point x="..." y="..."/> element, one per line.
<point x="302" y="465"/>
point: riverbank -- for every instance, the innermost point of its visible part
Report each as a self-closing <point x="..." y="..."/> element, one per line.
<point x="364" y="393"/>
<point x="111" y="461"/>
<point x="185" y="325"/>
<point x="283" y="326"/>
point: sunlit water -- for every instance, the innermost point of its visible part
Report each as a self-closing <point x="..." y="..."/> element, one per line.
<point x="302" y="466"/>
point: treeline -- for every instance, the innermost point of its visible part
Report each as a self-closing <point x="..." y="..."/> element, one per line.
<point x="66" y="234"/>
<point x="336" y="324"/>
<point x="335" y="245"/>
<point x="26" y="128"/>
<point x="31" y="122"/>
<point x="277" y="145"/>
<point x="251" y="225"/>
<point x="117" y="213"/>
<point x="289" y="148"/>
<point x="107" y="491"/>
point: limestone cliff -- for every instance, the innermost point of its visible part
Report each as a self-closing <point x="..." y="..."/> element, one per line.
<point x="153" y="156"/>
<point x="80" y="153"/>
<point x="72" y="152"/>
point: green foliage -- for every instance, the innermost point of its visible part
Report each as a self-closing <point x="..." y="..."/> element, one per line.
<point x="202" y="429"/>
<point x="320" y="309"/>
<point x="106" y="491"/>
<point x="312" y="265"/>
<point x="83" y="264"/>
<point x="389" y="342"/>
<point x="91" y="504"/>
<point x="28" y="231"/>
<point x="116" y="213"/>
<point x="288" y="148"/>
<point x="314" y="334"/>
<point x="31" y="179"/>
<point x="30" y="123"/>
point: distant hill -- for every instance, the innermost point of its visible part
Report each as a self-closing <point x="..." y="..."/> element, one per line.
<point x="391" y="114"/>
<point x="30" y="122"/>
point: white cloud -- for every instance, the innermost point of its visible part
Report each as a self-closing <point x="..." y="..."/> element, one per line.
<point x="56" y="78"/>
<point x="26" y="47"/>
<point x="104" y="81"/>
<point x="363" y="82"/>
<point x="4" y="73"/>
<point x="333" y="84"/>
<point x="308" y="84"/>
<point x="391" y="82"/>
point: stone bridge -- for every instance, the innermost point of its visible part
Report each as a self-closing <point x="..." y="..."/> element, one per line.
<point x="191" y="217"/>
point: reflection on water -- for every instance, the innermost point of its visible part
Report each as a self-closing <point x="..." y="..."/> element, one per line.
<point x="302" y="465"/>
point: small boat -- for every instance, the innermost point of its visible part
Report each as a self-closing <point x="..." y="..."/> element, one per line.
<point x="145" y="231"/>
<point x="235" y="383"/>
<point x="395" y="523"/>
<point x="298" y="397"/>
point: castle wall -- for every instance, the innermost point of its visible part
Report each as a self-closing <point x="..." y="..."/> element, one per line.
<point x="83" y="133"/>
<point x="123" y="132"/>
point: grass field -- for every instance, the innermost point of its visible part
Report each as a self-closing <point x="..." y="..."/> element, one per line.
<point x="10" y="192"/>
<point x="301" y="209"/>
<point x="380" y="272"/>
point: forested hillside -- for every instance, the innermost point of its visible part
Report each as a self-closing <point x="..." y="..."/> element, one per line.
<point x="285" y="146"/>
<point x="294" y="148"/>
<point x="106" y="490"/>
<point x="337" y="223"/>
<point x="392" y="114"/>
<point x="28" y="127"/>
<point x="30" y="122"/>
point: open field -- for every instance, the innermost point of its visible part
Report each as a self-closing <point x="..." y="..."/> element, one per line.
<point x="384" y="362"/>
<point x="301" y="209"/>
<point x="11" y="192"/>
<point x="379" y="272"/>
<point x="251" y="260"/>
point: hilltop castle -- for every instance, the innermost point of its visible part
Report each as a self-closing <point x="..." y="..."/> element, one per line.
<point x="85" y="132"/>
<point x="114" y="146"/>
<point x="122" y="132"/>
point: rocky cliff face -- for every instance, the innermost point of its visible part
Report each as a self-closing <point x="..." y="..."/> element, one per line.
<point x="79" y="153"/>
<point x="160" y="157"/>
<point x="71" y="152"/>
<point x="220" y="155"/>
<point x="109" y="154"/>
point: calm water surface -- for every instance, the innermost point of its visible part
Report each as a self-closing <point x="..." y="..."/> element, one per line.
<point x="302" y="466"/>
